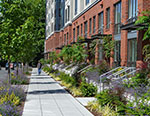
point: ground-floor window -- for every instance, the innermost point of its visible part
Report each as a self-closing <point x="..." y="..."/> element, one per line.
<point x="100" y="53"/>
<point x="132" y="52"/>
<point x="117" y="57"/>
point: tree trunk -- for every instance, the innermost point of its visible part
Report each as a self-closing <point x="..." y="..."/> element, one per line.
<point x="9" y="75"/>
<point x="23" y="67"/>
<point x="27" y="67"/>
<point x="17" y="69"/>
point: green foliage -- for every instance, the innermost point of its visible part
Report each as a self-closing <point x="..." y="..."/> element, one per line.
<point x="103" y="67"/>
<point x="137" y="80"/>
<point x="145" y="19"/>
<point x="113" y="97"/>
<point x="146" y="52"/>
<point x="48" y="69"/>
<point x="106" y="110"/>
<point x="76" y="91"/>
<point x="88" y="90"/>
<point x="75" y="53"/>
<point x="52" y="57"/>
<point x="108" y="45"/>
<point x="22" y="29"/>
<point x="12" y="99"/>
<point x="68" y="79"/>
<point x="139" y="106"/>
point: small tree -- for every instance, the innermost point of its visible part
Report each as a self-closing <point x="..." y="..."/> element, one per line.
<point x="108" y="46"/>
<point x="145" y="19"/>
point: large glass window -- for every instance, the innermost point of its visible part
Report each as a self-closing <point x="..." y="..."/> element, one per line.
<point x="117" y="57"/>
<point x="133" y="9"/>
<point x="108" y="18"/>
<point x="76" y="6"/>
<point x="85" y="29"/>
<point x="81" y="30"/>
<point x="67" y="38"/>
<point x="90" y="25"/>
<point x="65" y="15"/>
<point x="74" y="34"/>
<point x="68" y="13"/>
<point x="132" y="52"/>
<point x="100" y="22"/>
<point x="87" y="2"/>
<point x="117" y="18"/>
<point x="94" y="24"/>
<point x="64" y="39"/>
<point x="78" y="31"/>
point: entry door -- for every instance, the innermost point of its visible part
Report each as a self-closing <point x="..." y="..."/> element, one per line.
<point x="132" y="52"/>
<point x="117" y="58"/>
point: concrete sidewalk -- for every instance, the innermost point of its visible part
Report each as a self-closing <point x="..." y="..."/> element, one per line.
<point x="47" y="98"/>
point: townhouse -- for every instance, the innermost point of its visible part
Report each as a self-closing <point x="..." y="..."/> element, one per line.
<point x="66" y="20"/>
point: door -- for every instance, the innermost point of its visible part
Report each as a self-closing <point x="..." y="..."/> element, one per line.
<point x="117" y="57"/>
<point x="132" y="52"/>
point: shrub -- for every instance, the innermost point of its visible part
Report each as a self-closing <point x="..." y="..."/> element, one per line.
<point x="114" y="97"/>
<point x="27" y="73"/>
<point x="12" y="99"/>
<point x="67" y="85"/>
<point x="76" y="91"/>
<point x="7" y="109"/>
<point x="106" y="110"/>
<point x="48" y="69"/>
<point x="17" y="91"/>
<point x="139" y="106"/>
<point x="18" y="79"/>
<point x="88" y="90"/>
<point x="103" y="67"/>
<point x="68" y="79"/>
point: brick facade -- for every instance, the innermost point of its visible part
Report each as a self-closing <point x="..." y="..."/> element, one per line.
<point x="58" y="38"/>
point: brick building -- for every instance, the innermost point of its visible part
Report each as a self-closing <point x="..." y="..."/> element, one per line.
<point x="102" y="17"/>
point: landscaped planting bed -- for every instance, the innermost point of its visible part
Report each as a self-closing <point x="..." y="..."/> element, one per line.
<point x="12" y="97"/>
<point x="114" y="101"/>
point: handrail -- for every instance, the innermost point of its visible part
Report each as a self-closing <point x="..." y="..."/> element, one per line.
<point x="84" y="68"/>
<point x="105" y="74"/>
<point x="124" y="71"/>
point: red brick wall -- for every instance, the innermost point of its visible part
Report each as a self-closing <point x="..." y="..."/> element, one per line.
<point x="58" y="39"/>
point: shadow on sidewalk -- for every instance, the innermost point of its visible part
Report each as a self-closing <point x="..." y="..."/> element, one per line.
<point x="43" y="82"/>
<point x="58" y="91"/>
<point x="32" y="77"/>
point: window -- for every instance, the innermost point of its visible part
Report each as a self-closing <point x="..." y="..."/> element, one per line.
<point x="133" y="8"/>
<point x="67" y="38"/>
<point x="76" y="6"/>
<point x="132" y="52"/>
<point x="68" y="13"/>
<point x="108" y="18"/>
<point x="90" y="25"/>
<point x="94" y="24"/>
<point x="117" y="57"/>
<point x="87" y="2"/>
<point x="65" y="15"/>
<point x="85" y="29"/>
<point x="81" y="30"/>
<point x="78" y="31"/>
<point x="64" y="39"/>
<point x="100" y="22"/>
<point x="74" y="34"/>
<point x="117" y="17"/>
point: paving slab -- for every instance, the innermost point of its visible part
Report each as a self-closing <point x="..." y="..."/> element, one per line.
<point x="45" y="97"/>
